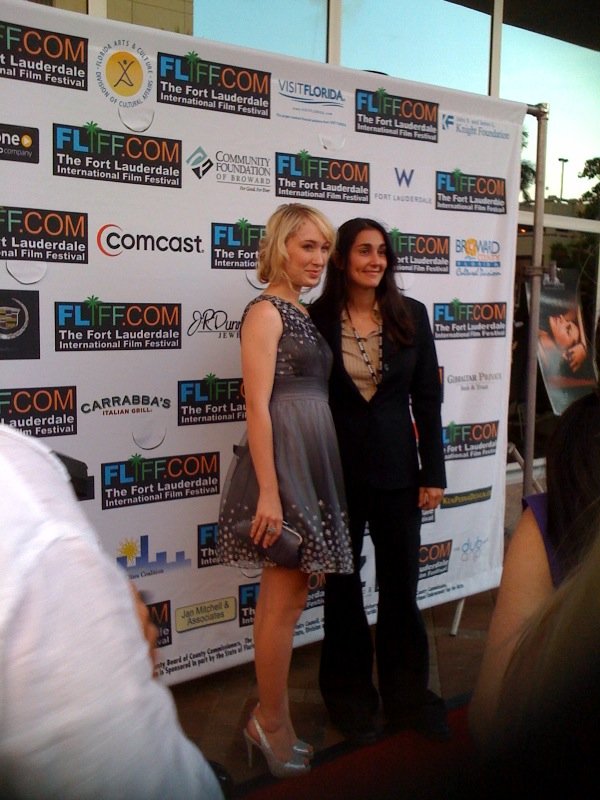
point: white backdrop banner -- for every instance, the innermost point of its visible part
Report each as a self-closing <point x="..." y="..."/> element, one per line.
<point x="138" y="169"/>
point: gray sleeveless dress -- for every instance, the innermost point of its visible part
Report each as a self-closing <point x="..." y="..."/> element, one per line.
<point x="307" y="460"/>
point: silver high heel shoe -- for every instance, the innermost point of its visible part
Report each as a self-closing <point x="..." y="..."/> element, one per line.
<point x="279" y="769"/>
<point x="303" y="748"/>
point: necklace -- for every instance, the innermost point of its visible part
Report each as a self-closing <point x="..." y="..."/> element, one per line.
<point x="375" y="375"/>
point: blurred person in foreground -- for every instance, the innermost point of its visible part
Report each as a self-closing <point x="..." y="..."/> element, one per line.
<point x="550" y="540"/>
<point x="81" y="714"/>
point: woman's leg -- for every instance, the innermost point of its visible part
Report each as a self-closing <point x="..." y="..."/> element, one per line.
<point x="281" y="600"/>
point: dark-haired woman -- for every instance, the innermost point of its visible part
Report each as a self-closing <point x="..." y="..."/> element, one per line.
<point x="385" y="375"/>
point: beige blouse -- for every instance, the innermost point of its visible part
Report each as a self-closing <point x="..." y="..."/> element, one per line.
<point x="354" y="362"/>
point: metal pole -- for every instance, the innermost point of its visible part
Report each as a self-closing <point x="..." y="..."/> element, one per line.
<point x="562" y="175"/>
<point x="535" y="274"/>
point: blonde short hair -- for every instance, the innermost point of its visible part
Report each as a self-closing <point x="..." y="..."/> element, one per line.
<point x="283" y="223"/>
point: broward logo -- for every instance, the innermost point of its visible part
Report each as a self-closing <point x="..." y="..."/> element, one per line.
<point x="43" y="57"/>
<point x="457" y="191"/>
<point x="392" y="115"/>
<point x="469" y="439"/>
<point x="315" y="178"/>
<point x="210" y="399"/>
<point x="458" y="320"/>
<point x="477" y="257"/>
<point x="235" y="244"/>
<point x="140" y="480"/>
<point x="42" y="234"/>
<point x="190" y="81"/>
<point x="90" y="153"/>
<point x="40" y="411"/>
<point x="124" y="73"/>
<point x="421" y="252"/>
<point x="96" y="325"/>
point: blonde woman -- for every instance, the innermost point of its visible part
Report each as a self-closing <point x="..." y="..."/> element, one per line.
<point x="293" y="474"/>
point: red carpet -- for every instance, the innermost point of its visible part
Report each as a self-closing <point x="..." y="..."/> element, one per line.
<point x="399" y="767"/>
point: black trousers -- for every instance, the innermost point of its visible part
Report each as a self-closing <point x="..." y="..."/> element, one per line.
<point x="401" y="646"/>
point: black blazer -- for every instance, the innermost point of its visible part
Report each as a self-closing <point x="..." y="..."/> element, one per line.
<point x="377" y="438"/>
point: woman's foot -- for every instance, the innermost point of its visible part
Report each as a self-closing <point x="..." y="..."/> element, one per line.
<point x="281" y="757"/>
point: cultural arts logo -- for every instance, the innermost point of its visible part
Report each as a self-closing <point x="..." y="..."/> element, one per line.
<point x="124" y="73"/>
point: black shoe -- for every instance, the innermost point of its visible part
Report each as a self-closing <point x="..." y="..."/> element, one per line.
<point x="359" y="727"/>
<point x="428" y="718"/>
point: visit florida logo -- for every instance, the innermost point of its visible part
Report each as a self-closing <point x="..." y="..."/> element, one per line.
<point x="316" y="178"/>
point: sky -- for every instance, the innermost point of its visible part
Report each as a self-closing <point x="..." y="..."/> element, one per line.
<point x="440" y="43"/>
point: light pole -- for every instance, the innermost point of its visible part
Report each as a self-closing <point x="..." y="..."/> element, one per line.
<point x="562" y="175"/>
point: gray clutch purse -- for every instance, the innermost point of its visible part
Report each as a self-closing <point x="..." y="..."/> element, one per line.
<point x="285" y="551"/>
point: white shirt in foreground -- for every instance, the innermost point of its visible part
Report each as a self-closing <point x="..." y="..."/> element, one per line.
<point x="80" y="713"/>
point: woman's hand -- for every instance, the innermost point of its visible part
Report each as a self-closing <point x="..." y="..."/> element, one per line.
<point x="266" y="525"/>
<point x="429" y="497"/>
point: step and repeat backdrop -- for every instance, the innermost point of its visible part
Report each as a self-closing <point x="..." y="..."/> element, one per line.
<point x="137" y="171"/>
